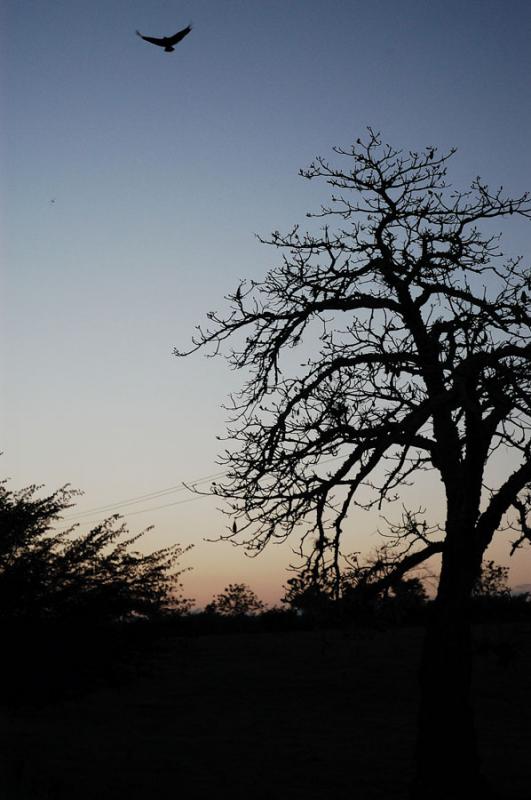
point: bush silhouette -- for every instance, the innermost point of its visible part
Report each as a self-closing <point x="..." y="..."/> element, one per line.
<point x="68" y="601"/>
<point x="98" y="576"/>
<point x="236" y="600"/>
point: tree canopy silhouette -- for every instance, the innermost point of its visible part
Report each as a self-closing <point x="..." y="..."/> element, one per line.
<point x="413" y="335"/>
<point x="366" y="591"/>
<point x="236" y="600"/>
<point x="98" y="576"/>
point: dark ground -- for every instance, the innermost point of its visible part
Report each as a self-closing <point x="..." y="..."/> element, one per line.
<point x="272" y="715"/>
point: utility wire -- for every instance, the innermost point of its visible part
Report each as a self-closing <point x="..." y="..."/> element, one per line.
<point x="73" y="518"/>
<point x="141" y="497"/>
<point x="142" y="510"/>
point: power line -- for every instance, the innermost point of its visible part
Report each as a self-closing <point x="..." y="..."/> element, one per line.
<point x="152" y="496"/>
<point x="142" y="497"/>
<point x="145" y="510"/>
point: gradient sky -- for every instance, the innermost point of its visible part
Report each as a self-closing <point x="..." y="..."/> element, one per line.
<point x="133" y="182"/>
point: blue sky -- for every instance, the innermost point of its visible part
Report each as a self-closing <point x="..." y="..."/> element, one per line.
<point x="161" y="168"/>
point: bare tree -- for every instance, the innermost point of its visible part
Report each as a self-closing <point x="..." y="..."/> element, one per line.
<point x="414" y="334"/>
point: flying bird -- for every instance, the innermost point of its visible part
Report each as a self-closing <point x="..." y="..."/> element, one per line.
<point x="167" y="42"/>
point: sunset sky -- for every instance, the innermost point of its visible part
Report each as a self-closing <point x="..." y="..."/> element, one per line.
<point x="133" y="182"/>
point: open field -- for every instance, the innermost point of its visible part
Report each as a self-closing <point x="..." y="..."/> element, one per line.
<point x="287" y="715"/>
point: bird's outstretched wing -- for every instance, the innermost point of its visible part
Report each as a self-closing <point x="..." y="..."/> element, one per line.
<point x="180" y="35"/>
<point x="152" y="40"/>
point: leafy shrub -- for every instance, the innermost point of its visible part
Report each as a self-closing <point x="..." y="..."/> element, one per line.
<point x="96" y="576"/>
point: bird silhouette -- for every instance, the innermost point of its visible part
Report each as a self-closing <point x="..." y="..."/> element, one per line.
<point x="167" y="42"/>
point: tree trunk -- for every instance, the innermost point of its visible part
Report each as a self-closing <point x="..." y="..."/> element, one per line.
<point x="448" y="765"/>
<point x="446" y="754"/>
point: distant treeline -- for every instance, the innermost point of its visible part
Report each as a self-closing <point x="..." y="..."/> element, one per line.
<point x="79" y="610"/>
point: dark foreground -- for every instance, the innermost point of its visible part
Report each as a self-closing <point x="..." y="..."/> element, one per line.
<point x="288" y="715"/>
